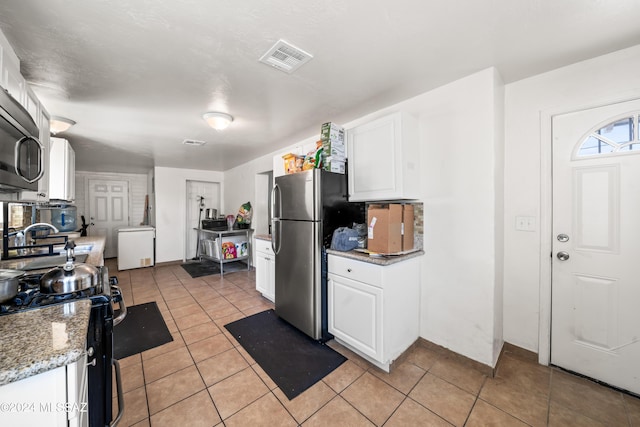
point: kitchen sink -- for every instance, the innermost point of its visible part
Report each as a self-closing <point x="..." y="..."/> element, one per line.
<point x="51" y="261"/>
<point x="79" y="249"/>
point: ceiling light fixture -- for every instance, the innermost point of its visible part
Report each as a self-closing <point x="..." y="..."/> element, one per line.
<point x="218" y="121"/>
<point x="59" y="124"/>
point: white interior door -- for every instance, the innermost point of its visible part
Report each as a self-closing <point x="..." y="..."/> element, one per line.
<point x="596" y="244"/>
<point x="210" y="194"/>
<point x="108" y="210"/>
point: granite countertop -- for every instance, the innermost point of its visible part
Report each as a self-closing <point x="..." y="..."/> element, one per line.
<point x="263" y="237"/>
<point x="379" y="260"/>
<point x="38" y="340"/>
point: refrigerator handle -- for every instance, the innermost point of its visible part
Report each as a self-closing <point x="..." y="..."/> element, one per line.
<point x="275" y="221"/>
<point x="276" y="236"/>
<point x="276" y="213"/>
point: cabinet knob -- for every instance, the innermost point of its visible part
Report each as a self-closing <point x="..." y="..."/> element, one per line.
<point x="348" y="270"/>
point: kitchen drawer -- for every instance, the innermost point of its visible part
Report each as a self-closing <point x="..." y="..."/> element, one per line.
<point x="264" y="246"/>
<point x="355" y="270"/>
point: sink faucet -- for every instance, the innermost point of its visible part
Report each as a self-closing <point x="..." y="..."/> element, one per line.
<point x="40" y="224"/>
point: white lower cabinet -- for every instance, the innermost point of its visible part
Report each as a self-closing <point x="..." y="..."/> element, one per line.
<point x="265" y="269"/>
<point x="54" y="398"/>
<point x="374" y="309"/>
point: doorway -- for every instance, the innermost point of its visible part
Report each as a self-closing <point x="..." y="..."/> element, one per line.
<point x="595" y="323"/>
<point x="201" y="195"/>
<point x="261" y="221"/>
<point x="108" y="211"/>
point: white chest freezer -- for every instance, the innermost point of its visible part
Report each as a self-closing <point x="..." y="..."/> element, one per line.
<point x="136" y="247"/>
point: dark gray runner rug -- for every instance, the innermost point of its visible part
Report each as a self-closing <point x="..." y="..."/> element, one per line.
<point x="293" y="360"/>
<point x="207" y="267"/>
<point x="142" y="329"/>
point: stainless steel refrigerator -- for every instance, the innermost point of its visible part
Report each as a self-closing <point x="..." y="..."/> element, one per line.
<point x="307" y="208"/>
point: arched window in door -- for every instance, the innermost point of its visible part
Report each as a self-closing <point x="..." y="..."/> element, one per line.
<point x="616" y="137"/>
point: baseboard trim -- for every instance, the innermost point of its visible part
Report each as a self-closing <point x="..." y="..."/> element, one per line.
<point x="464" y="360"/>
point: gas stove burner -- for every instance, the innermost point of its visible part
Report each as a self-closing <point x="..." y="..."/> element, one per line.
<point x="30" y="297"/>
<point x="40" y="299"/>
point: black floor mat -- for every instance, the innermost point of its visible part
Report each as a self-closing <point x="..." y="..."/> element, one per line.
<point x="293" y="360"/>
<point x="142" y="329"/>
<point x="207" y="267"/>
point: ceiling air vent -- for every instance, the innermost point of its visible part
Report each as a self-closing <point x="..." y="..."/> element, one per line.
<point x="285" y="57"/>
<point x="193" y="142"/>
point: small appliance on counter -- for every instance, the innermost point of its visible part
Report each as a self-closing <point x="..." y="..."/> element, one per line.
<point x="214" y="224"/>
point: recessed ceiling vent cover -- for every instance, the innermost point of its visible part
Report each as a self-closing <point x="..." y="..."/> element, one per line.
<point x="285" y="57"/>
<point x="193" y="142"/>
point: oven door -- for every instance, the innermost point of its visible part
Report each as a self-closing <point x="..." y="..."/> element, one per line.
<point x="101" y="361"/>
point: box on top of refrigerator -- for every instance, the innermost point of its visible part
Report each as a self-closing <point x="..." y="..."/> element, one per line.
<point x="332" y="132"/>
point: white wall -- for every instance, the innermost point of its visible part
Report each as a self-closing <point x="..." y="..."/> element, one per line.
<point x="170" y="208"/>
<point x="598" y="81"/>
<point x="460" y="169"/>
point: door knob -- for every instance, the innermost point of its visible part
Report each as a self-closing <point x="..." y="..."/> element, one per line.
<point x="563" y="256"/>
<point x="563" y="238"/>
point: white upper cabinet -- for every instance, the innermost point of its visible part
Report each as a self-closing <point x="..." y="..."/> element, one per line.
<point x="62" y="170"/>
<point x="384" y="158"/>
<point x="10" y="78"/>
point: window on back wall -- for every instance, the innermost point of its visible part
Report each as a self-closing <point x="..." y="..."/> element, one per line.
<point x="619" y="136"/>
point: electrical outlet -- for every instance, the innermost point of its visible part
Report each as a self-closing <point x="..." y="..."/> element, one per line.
<point x="526" y="223"/>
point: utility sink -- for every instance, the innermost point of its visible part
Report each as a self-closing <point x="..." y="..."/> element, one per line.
<point x="51" y="261"/>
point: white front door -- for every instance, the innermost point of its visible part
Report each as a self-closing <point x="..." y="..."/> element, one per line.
<point x="596" y="244"/>
<point x="108" y="211"/>
<point x="201" y="195"/>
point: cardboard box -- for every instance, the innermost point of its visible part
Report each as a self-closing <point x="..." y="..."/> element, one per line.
<point x="407" y="227"/>
<point x="333" y="165"/>
<point x="390" y="228"/>
<point x="332" y="132"/>
<point x="334" y="149"/>
<point x="384" y="228"/>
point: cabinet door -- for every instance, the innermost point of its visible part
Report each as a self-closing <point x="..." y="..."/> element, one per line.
<point x="374" y="159"/>
<point x="71" y="174"/>
<point x="266" y="275"/>
<point x="262" y="272"/>
<point x="36" y="401"/>
<point x="77" y="393"/>
<point x="384" y="158"/>
<point x="355" y="314"/>
<point x="62" y="173"/>
<point x="15" y="84"/>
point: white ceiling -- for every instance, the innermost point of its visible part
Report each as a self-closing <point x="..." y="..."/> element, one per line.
<point x="136" y="75"/>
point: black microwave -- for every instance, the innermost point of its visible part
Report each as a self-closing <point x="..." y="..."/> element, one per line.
<point x="21" y="153"/>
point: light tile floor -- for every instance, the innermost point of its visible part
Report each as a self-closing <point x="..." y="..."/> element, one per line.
<point x="204" y="378"/>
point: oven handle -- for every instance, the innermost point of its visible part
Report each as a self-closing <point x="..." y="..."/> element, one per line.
<point x="115" y="422"/>
<point x="116" y="294"/>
